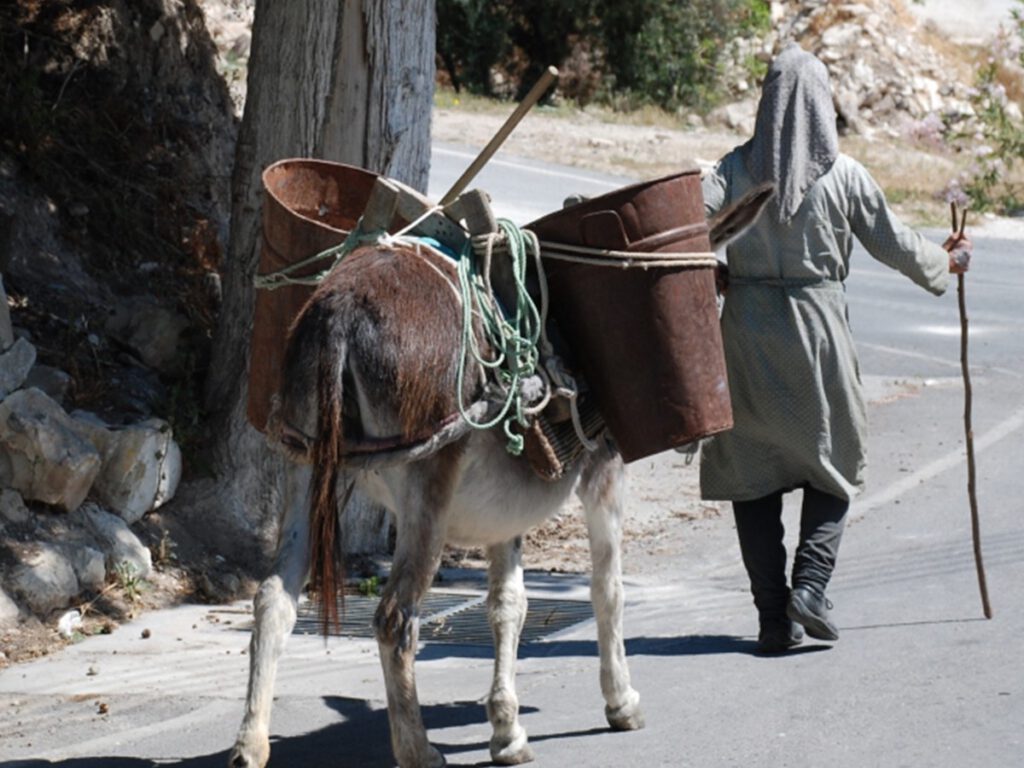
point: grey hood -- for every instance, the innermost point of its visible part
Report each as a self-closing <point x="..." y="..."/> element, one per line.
<point x="795" y="139"/>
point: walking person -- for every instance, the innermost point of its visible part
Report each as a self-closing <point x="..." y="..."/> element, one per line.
<point x="798" y="404"/>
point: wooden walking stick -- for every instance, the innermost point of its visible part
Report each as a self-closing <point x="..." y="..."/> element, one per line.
<point x="498" y="139"/>
<point x="958" y="229"/>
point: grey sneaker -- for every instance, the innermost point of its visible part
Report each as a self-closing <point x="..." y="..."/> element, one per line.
<point x="810" y="609"/>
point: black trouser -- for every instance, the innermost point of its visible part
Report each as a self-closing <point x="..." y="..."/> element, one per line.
<point x="760" y="530"/>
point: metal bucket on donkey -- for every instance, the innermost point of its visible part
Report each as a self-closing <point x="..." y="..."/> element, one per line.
<point x="309" y="206"/>
<point x="632" y="286"/>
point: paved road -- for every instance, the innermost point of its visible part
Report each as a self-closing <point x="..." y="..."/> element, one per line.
<point x="918" y="678"/>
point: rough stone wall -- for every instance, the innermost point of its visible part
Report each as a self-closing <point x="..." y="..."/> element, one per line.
<point x="887" y="76"/>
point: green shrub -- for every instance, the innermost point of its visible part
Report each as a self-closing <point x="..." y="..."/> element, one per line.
<point x="996" y="135"/>
<point x="670" y="53"/>
<point x="662" y="52"/>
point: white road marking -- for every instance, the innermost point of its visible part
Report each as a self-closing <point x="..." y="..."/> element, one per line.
<point x="943" y="464"/>
<point x="534" y="169"/>
<point x="954" y="330"/>
<point x="938" y="360"/>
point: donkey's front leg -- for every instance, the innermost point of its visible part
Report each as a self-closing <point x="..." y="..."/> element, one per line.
<point x="601" y="490"/>
<point x="417" y="552"/>
<point x="275" y="617"/>
<point x="506" y="609"/>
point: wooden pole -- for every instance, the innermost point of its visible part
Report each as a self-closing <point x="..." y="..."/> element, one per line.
<point x="969" y="430"/>
<point x="498" y="139"/>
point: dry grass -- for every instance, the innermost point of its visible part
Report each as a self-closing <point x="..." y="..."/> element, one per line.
<point x="649" y="115"/>
<point x="913" y="176"/>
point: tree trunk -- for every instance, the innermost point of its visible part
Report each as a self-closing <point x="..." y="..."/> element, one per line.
<point x="351" y="82"/>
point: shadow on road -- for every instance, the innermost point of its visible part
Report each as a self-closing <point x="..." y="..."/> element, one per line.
<point x="690" y="645"/>
<point x="361" y="740"/>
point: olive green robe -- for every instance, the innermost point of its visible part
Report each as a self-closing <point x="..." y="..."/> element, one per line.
<point x="797" y="398"/>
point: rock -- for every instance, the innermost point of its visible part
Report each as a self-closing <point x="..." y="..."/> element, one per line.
<point x="44" y="454"/>
<point x="926" y="91"/>
<point x="6" y="330"/>
<point x="89" y="566"/>
<point x="141" y="467"/>
<point x="739" y="116"/>
<point x="12" y="507"/>
<point x="45" y="579"/>
<point x="152" y="331"/>
<point x="909" y="78"/>
<point x="841" y="36"/>
<point x="8" y="610"/>
<point x="854" y="10"/>
<point x="116" y="539"/>
<point x="15" y="365"/>
<point x="52" y="381"/>
<point x="219" y="587"/>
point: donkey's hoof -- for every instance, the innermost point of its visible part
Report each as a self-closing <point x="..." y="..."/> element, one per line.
<point x="511" y="752"/>
<point x="249" y="753"/>
<point x="628" y="717"/>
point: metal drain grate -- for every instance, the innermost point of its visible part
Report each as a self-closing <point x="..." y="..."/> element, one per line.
<point x="447" y="617"/>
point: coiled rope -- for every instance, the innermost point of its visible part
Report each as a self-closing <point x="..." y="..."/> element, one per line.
<point x="511" y="334"/>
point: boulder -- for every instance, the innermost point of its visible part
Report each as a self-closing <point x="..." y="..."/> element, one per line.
<point x="8" y="610"/>
<point x="89" y="566"/>
<point x="53" y="381"/>
<point x="45" y="579"/>
<point x="115" y="538"/>
<point x="151" y="331"/>
<point x="15" y="365"/>
<point x="44" y="454"/>
<point x="140" y="470"/>
<point x="12" y="507"/>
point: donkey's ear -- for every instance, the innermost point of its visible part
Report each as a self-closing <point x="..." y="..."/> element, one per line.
<point x="733" y="221"/>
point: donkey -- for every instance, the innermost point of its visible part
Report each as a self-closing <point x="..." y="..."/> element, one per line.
<point x="370" y="403"/>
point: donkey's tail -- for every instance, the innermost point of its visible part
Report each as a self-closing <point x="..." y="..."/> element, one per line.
<point x="316" y="344"/>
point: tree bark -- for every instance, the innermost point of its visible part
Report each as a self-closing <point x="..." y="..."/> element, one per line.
<point x="351" y="82"/>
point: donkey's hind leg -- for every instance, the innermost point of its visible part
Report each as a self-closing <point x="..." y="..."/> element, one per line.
<point x="601" y="490"/>
<point x="417" y="553"/>
<point x="275" y="605"/>
<point x="506" y="609"/>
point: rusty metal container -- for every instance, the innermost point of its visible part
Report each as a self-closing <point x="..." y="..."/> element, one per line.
<point x="308" y="207"/>
<point x="648" y="341"/>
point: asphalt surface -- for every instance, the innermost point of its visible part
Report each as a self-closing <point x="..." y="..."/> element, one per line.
<point x="918" y="678"/>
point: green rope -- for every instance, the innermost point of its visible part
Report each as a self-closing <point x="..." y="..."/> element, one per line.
<point x="282" y="277"/>
<point x="513" y="336"/>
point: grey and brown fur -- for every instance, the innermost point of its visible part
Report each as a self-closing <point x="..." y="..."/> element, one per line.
<point x="370" y="384"/>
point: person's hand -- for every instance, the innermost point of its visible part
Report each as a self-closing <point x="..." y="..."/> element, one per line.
<point x="959" y="247"/>
<point x="722" y="277"/>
